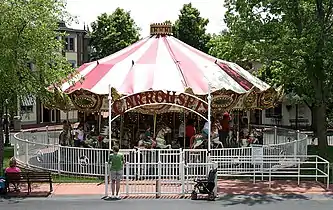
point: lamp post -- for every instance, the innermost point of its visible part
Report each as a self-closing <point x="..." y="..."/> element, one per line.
<point x="6" y="121"/>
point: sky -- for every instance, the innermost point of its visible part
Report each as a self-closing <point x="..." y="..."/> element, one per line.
<point x="145" y="12"/>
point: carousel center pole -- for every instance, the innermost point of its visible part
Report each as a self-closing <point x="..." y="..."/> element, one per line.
<point x="184" y="127"/>
<point x="110" y="119"/>
<point x="209" y="98"/>
<point x="155" y="116"/>
<point x="99" y="122"/>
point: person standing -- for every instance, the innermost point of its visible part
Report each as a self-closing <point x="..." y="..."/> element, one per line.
<point x="116" y="162"/>
<point x="181" y="133"/>
<point x="79" y="137"/>
<point x="224" y="129"/>
<point x="190" y="132"/>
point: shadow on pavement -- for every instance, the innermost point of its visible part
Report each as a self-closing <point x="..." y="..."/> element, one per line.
<point x="255" y="199"/>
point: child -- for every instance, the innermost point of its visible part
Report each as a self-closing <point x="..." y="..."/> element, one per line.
<point x="116" y="162"/>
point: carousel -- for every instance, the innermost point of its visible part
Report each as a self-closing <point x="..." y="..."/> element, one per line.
<point x="146" y="94"/>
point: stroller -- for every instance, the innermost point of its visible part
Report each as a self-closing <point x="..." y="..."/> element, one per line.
<point x="205" y="186"/>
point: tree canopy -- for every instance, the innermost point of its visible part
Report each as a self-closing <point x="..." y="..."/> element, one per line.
<point x="292" y="40"/>
<point x="29" y="38"/>
<point x="111" y="33"/>
<point x="191" y="28"/>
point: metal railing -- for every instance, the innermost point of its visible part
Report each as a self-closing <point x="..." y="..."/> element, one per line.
<point x="179" y="178"/>
<point x="41" y="150"/>
<point x="161" y="178"/>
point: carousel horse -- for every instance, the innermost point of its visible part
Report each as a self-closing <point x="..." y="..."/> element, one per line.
<point x="116" y="141"/>
<point x="160" y="141"/>
<point x="65" y="138"/>
<point x="145" y="143"/>
<point x="199" y="141"/>
<point x="254" y="137"/>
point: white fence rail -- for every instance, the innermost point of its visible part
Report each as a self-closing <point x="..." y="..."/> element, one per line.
<point x="161" y="178"/>
<point x="41" y="150"/>
<point x="179" y="178"/>
<point x="172" y="171"/>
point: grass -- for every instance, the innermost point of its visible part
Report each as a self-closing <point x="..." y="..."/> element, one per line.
<point x="313" y="150"/>
<point x="9" y="153"/>
<point x="75" y="179"/>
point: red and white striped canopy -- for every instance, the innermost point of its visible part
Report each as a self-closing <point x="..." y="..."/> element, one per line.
<point x="162" y="63"/>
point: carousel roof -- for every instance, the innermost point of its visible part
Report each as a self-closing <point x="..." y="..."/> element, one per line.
<point x="162" y="62"/>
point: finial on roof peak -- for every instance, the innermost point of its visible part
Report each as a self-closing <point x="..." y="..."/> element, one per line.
<point x="160" y="29"/>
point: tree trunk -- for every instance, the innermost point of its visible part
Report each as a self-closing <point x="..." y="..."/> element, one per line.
<point x="313" y="120"/>
<point x="2" y="145"/>
<point x="321" y="125"/>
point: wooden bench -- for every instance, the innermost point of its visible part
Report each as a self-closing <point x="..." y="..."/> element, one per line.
<point x="15" y="178"/>
<point x="29" y="177"/>
<point x="39" y="177"/>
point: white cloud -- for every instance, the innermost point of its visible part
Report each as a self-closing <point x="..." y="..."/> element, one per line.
<point x="145" y="12"/>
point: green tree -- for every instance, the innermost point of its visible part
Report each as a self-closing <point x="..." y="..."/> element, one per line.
<point x="111" y="33"/>
<point x="230" y="47"/>
<point x="292" y="39"/>
<point x="191" y="28"/>
<point x="28" y="36"/>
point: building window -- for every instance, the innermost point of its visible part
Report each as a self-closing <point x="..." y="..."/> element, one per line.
<point x="69" y="44"/>
<point x="27" y="109"/>
<point x="27" y="104"/>
<point x="275" y="112"/>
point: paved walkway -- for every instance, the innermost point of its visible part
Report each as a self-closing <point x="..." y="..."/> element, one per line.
<point x="232" y="187"/>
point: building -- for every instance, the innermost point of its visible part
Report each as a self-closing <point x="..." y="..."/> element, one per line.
<point x="284" y="114"/>
<point x="77" y="51"/>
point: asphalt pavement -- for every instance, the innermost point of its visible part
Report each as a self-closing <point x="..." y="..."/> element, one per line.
<point x="231" y="202"/>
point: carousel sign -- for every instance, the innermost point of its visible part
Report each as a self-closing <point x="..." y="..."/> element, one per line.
<point x="122" y="105"/>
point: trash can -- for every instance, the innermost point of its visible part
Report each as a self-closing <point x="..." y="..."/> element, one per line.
<point x="17" y="123"/>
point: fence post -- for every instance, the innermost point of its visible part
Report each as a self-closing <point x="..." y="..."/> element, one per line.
<point x="298" y="172"/>
<point x="138" y="162"/>
<point x="47" y="135"/>
<point x="27" y="152"/>
<point x="275" y="134"/>
<point x="270" y="176"/>
<point x="127" y="177"/>
<point x="316" y="168"/>
<point x="158" y="180"/>
<point x="59" y="159"/>
<point x="215" y="166"/>
<point x="328" y="176"/>
<point x="209" y="162"/>
<point x="182" y="177"/>
<point x="15" y="147"/>
<point x="106" y="180"/>
<point x="296" y="144"/>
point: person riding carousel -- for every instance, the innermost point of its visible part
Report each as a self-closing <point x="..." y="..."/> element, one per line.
<point x="206" y="128"/>
<point x="148" y="138"/>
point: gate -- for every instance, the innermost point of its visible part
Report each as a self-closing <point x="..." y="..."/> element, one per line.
<point x="166" y="174"/>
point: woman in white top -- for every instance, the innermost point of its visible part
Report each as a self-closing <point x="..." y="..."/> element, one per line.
<point x="79" y="136"/>
<point x="206" y="127"/>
